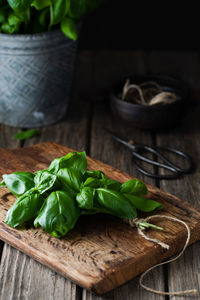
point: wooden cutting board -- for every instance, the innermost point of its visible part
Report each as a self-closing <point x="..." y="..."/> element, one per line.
<point x="102" y="252"/>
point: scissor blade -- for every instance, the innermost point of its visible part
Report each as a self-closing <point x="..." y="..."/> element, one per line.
<point x="119" y="139"/>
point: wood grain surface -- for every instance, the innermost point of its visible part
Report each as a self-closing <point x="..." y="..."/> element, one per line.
<point x="102" y="252"/>
<point x="22" y="277"/>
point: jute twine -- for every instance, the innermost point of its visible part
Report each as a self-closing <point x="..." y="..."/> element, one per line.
<point x="136" y="222"/>
<point x="147" y="93"/>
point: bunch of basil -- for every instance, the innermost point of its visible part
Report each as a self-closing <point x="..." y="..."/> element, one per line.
<point x="35" y="16"/>
<point x="55" y="198"/>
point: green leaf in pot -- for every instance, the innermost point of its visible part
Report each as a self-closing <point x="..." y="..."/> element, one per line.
<point x="3" y="14"/>
<point x="69" y="28"/>
<point x="77" y="9"/>
<point x="18" y="183"/>
<point x="41" y="21"/>
<point x="58" y="9"/>
<point x="19" y="5"/>
<point x="40" y="4"/>
<point x="12" y="25"/>
<point x="85" y="198"/>
<point x="24" y="209"/>
<point x="73" y="160"/>
<point x="135" y="187"/>
<point x="59" y="214"/>
<point x="143" y="204"/>
<point x="115" y="203"/>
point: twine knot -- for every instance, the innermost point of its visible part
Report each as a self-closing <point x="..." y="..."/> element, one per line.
<point x="141" y="225"/>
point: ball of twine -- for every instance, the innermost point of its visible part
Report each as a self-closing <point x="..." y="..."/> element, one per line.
<point x="147" y="93"/>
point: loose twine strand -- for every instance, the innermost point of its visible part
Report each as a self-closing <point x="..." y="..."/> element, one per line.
<point x="150" y="93"/>
<point x="136" y="222"/>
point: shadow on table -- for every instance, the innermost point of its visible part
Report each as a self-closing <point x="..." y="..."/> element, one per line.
<point x="191" y="123"/>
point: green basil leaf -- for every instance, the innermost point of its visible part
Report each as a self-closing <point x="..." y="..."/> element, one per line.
<point x="143" y="204"/>
<point x="24" y="209"/>
<point x="3" y="14"/>
<point x="28" y="134"/>
<point x="110" y="184"/>
<point x="73" y="160"/>
<point x="96" y="174"/>
<point x="85" y="198"/>
<point x="59" y="10"/>
<point x="69" y="28"/>
<point x="44" y="181"/>
<point x="13" y="24"/>
<point x="77" y="9"/>
<point x="80" y="8"/>
<point x="135" y="187"/>
<point x="92" y="182"/>
<point x="19" y="182"/>
<point x="2" y="183"/>
<point x="90" y="211"/>
<point x="40" y="4"/>
<point x="19" y="5"/>
<point x="41" y="21"/>
<point x="14" y="20"/>
<point x="71" y="178"/>
<point x="115" y="203"/>
<point x="43" y="18"/>
<point x="59" y="214"/>
<point x="6" y="28"/>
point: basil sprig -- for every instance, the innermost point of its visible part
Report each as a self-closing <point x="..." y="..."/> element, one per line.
<point x="35" y="16"/>
<point x="55" y="198"/>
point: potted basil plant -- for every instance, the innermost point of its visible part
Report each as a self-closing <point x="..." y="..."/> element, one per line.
<point x="38" y="42"/>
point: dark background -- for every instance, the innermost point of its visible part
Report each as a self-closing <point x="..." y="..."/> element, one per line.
<point x="147" y="25"/>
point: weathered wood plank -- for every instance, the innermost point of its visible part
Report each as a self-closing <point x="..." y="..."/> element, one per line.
<point x="186" y="138"/>
<point x="24" y="278"/>
<point x="6" y="137"/>
<point x="188" y="189"/>
<point x="72" y="131"/>
<point x="7" y="141"/>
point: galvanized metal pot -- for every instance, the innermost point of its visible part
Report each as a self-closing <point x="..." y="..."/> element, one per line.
<point x="35" y="78"/>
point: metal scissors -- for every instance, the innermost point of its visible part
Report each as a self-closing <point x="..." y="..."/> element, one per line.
<point x="137" y="149"/>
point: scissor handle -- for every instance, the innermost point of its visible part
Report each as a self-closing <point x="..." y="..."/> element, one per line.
<point x="176" y="171"/>
<point x="180" y="153"/>
<point x="174" y="175"/>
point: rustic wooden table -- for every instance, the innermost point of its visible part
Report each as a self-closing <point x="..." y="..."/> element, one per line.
<point x="22" y="277"/>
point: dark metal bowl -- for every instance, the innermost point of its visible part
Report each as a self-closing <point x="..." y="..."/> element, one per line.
<point x="155" y="117"/>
